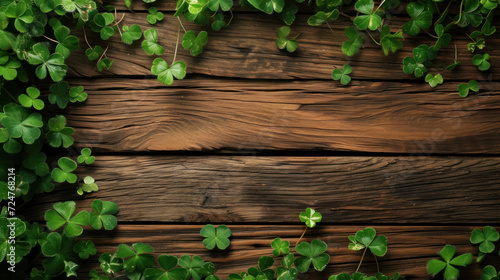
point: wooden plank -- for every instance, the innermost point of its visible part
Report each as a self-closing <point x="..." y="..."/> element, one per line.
<point x="246" y="189"/>
<point x="409" y="247"/>
<point x="239" y="115"/>
<point x="247" y="49"/>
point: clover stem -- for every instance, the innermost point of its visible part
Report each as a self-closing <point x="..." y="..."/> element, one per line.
<point x="116" y="23"/>
<point x="85" y="36"/>
<point x="346" y="15"/>
<point x="232" y="15"/>
<point x="103" y="54"/>
<point x="376" y="262"/>
<point x="300" y="238"/>
<point x="180" y="22"/>
<point x="327" y="24"/>
<point x="460" y="14"/>
<point x="435" y="37"/>
<point x="381" y="3"/>
<point x="373" y="39"/>
<point x="361" y="261"/>
<point x="177" y="44"/>
<point x="50" y="39"/>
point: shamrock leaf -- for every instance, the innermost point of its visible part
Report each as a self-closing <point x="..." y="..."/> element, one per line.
<point x="19" y="123"/>
<point x="89" y="186"/>
<point x="58" y="250"/>
<point x="283" y="42"/>
<point x="22" y="14"/>
<point x="390" y="42"/>
<point x="268" y="6"/>
<point x="485" y="238"/>
<point x="86" y="156"/>
<point x="59" y="94"/>
<point x="481" y="61"/>
<point x="131" y="34"/>
<point x="167" y="74"/>
<point x="310" y="216"/>
<point x="195" y="267"/>
<point x="288" y="13"/>
<point x="213" y="236"/>
<point x="488" y="29"/>
<point x="367" y="239"/>
<point x="9" y="70"/>
<point x="342" y="75"/>
<point x="443" y="38"/>
<point x="355" y="41"/>
<point x="62" y="215"/>
<point x="370" y="19"/>
<point x="312" y="253"/>
<point x="479" y="44"/>
<point x="470" y="15"/>
<point x="51" y="63"/>
<point x="434" y="80"/>
<point x="77" y="94"/>
<point x="463" y="88"/>
<point x="67" y="43"/>
<point x="94" y="53"/>
<point x="35" y="159"/>
<point x="286" y="271"/>
<point x="218" y="22"/>
<point x="435" y="266"/>
<point x="169" y="271"/>
<point x="104" y="63"/>
<point x="196" y="6"/>
<point x="154" y="16"/>
<point x="58" y="132"/>
<point x="224" y="5"/>
<point x="321" y="17"/>
<point x="110" y="263"/>
<point x="263" y="271"/>
<point x="490" y="273"/>
<point x="85" y="249"/>
<point x="194" y="43"/>
<point x="137" y="257"/>
<point x="421" y="19"/>
<point x="100" y="23"/>
<point x="422" y="55"/>
<point x="70" y="268"/>
<point x="280" y="246"/>
<point x="242" y="276"/>
<point x="63" y="173"/>
<point x="149" y="44"/>
<point x="103" y="214"/>
<point x="31" y="100"/>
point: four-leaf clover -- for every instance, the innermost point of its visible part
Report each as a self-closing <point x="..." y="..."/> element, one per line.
<point x="280" y="246"/>
<point x="216" y="236"/>
<point x="310" y="217"/>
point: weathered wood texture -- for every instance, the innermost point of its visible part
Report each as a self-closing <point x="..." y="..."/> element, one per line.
<point x="409" y="247"/>
<point x="222" y="189"/>
<point x="238" y="115"/>
<point x="247" y="49"/>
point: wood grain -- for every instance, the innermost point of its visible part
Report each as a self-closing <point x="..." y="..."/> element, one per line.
<point x="409" y="247"/>
<point x="246" y="189"/>
<point x="247" y="116"/>
<point x="247" y="49"/>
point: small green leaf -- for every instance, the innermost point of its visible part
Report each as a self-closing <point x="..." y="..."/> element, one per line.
<point x="167" y="74"/>
<point x="86" y="156"/>
<point x="312" y="253"/>
<point x="31" y="99"/>
<point x="149" y="45"/>
<point x="194" y="43"/>
<point x="434" y="80"/>
<point x="280" y="246"/>
<point x="481" y="61"/>
<point x="310" y="217"/>
<point x="103" y="214"/>
<point x="136" y="258"/>
<point x="283" y="42"/>
<point x="342" y="75"/>
<point x="63" y="173"/>
<point x="216" y="236"/>
<point x="464" y="89"/>
<point x="62" y="215"/>
<point x="131" y="34"/>
<point x="85" y="249"/>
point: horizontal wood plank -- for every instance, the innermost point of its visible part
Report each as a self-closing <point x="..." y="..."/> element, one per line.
<point x="246" y="189"/>
<point x="247" y="49"/>
<point x="409" y="247"/>
<point x="239" y="115"/>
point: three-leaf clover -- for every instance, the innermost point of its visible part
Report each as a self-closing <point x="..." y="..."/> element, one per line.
<point x="166" y="74"/>
<point x="59" y="94"/>
<point x="370" y="19"/>
<point x="434" y="80"/>
<point x="19" y="123"/>
<point x="195" y="267"/>
<point x="110" y="263"/>
<point x="312" y="253"/>
<point x="85" y="249"/>
<point x="104" y="63"/>
<point x="485" y="239"/>
<point x="31" y="99"/>
<point x="154" y="16"/>
<point x="58" y="133"/>
<point x="218" y="22"/>
<point x="224" y="5"/>
<point x="263" y="270"/>
<point x="390" y="42"/>
<point x="268" y="6"/>
<point x="355" y="41"/>
<point x="169" y="271"/>
<point x="448" y="263"/>
<point x="286" y="271"/>
<point x="288" y="13"/>
<point x="63" y="173"/>
<point x="418" y="64"/>
<point x="280" y="246"/>
<point x="149" y="45"/>
<point x="490" y="273"/>
<point x="310" y="217"/>
<point x="62" y="214"/>
<point x="342" y="75"/>
<point x="471" y="14"/>
<point x="481" y="61"/>
<point x="368" y="239"/>
<point x="77" y="94"/>
<point x="283" y="42"/>
<point x="86" y="156"/>
<point x="51" y="63"/>
<point x="67" y="43"/>
<point x="136" y="258"/>
<point x="94" y="53"/>
<point x="443" y="38"/>
<point x="89" y="185"/>
<point x="131" y="34"/>
<point x="101" y="22"/>
<point x="421" y="19"/>
<point x="58" y="250"/>
<point x="216" y="236"/>
<point x="194" y="43"/>
<point x="102" y="214"/>
<point x="465" y="88"/>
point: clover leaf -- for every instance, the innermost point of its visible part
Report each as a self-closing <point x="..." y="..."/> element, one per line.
<point x="195" y="266"/>
<point x="268" y="6"/>
<point x="51" y="63"/>
<point x="435" y="266"/>
<point x="154" y="16"/>
<point x="370" y="19"/>
<point x="104" y="63"/>
<point x="216" y="236"/>
<point x="465" y="88"/>
<point x="242" y="276"/>
<point x="218" y="22"/>
<point x="94" y="53"/>
<point x="390" y="42"/>
<point x="59" y="94"/>
<point x="367" y="239"/>
<point x="283" y="42"/>
<point x="35" y="159"/>
<point x="263" y="270"/>
<point x="167" y="74"/>
<point x="342" y="75"/>
<point x="85" y="249"/>
<point x="354" y="43"/>
<point x="196" y="6"/>
<point x="63" y="173"/>
<point x="321" y="17"/>
<point x="70" y="268"/>
<point x="110" y="263"/>
<point x="9" y="70"/>
<point x="485" y="239"/>
<point x="62" y="214"/>
<point x="418" y="64"/>
<point x="443" y="38"/>
<point x="470" y="14"/>
<point x="58" y="133"/>
<point x="421" y="19"/>
<point x="312" y="253"/>
<point x="224" y="5"/>
<point x="77" y="94"/>
<point x="288" y="13"/>
<point x="280" y="246"/>
<point x="22" y="13"/>
<point x="286" y="271"/>
<point x="149" y="45"/>
<point x="131" y="34"/>
<point x="310" y="217"/>
<point x="103" y="214"/>
<point x="86" y="156"/>
<point x="169" y="271"/>
<point x="490" y="273"/>
<point x="88" y="186"/>
<point x="58" y="250"/>
<point x="67" y="43"/>
<point x="434" y="80"/>
<point x="100" y="23"/>
<point x="194" y="43"/>
<point x="481" y="61"/>
<point x="137" y="257"/>
<point x="19" y="123"/>
<point x="31" y="99"/>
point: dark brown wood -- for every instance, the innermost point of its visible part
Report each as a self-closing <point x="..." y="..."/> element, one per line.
<point x="409" y="247"/>
<point x="218" y="189"/>
<point x="247" y="49"/>
<point x="238" y="115"/>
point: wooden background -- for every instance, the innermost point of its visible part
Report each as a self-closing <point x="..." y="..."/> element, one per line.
<point x="255" y="135"/>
